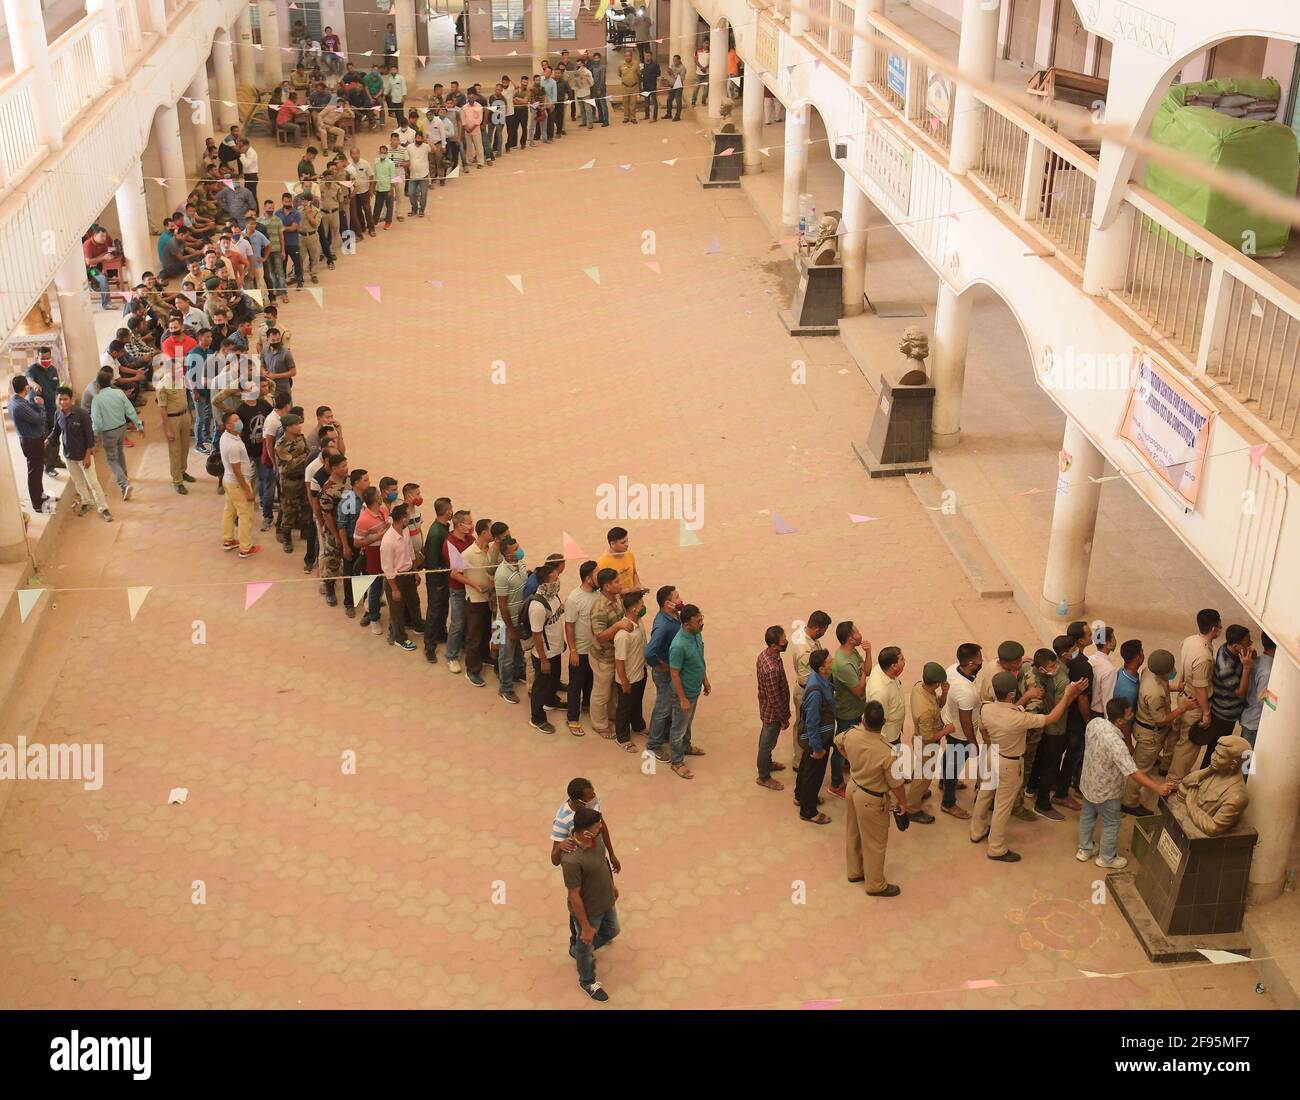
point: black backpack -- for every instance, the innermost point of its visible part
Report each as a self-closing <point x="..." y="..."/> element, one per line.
<point x="215" y="466"/>
<point x="525" y="627"/>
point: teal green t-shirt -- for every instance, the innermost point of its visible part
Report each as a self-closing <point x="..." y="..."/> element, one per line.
<point x="686" y="654"/>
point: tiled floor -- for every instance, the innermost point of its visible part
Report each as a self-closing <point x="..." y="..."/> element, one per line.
<point x="326" y="889"/>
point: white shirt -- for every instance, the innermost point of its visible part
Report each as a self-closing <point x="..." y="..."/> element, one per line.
<point x="1104" y="675"/>
<point x="233" y="451"/>
<point x="418" y="160"/>
<point x="962" y="695"/>
<point x="248" y="161"/>
<point x="361" y="171"/>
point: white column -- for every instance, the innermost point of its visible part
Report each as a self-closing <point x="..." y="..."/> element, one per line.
<point x="539" y="35"/>
<point x="171" y="157"/>
<point x="246" y="56"/>
<point x="223" y="67"/>
<point x="948" y="364"/>
<point x="1074" y="523"/>
<point x="856" y="212"/>
<point x="26" y="26"/>
<point x="977" y="54"/>
<point x="112" y="35"/>
<point x="1275" y="782"/>
<point x="862" y="58"/>
<point x="796" y="161"/>
<point x="272" y="58"/>
<point x="717" y="70"/>
<point x="133" y="218"/>
<point x="76" y="320"/>
<point x="200" y="115"/>
<point x="404" y="25"/>
<point x="688" y="22"/>
<point x="13" y="542"/>
<point x="751" y="119"/>
<point x="1107" y="264"/>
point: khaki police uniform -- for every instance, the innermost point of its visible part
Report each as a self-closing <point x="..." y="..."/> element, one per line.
<point x="1195" y="668"/>
<point x="888" y="692"/>
<point x="173" y="402"/>
<point x="927" y="727"/>
<point x="801" y="653"/>
<point x="871" y="764"/>
<point x="629" y="75"/>
<point x="310" y="237"/>
<point x="1005" y="725"/>
<point x="332" y="196"/>
<point x="291" y="461"/>
<point x="1150" y="725"/>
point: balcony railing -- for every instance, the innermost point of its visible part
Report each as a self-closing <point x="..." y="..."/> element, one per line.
<point x="80" y="70"/>
<point x="841" y="31"/>
<point x="18" y="144"/>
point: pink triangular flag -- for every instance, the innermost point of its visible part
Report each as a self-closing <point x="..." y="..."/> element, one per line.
<point x="373" y="291"/>
<point x="653" y="265"/>
<point x="715" y="246"/>
<point x="1257" y="454"/>
<point x="422" y="57"/>
<point x="228" y="184"/>
<point x="476" y="57"/>
<point x="860" y="519"/>
<point x="254" y="592"/>
<point x="572" y="550"/>
<point x="1029" y="492"/>
<point x="782" y="528"/>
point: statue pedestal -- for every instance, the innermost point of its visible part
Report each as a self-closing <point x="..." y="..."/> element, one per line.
<point x="1191" y="890"/>
<point x="899" y="441"/>
<point x="727" y="162"/>
<point x="817" y="303"/>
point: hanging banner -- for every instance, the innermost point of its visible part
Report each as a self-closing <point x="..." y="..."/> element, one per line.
<point x="1169" y="425"/>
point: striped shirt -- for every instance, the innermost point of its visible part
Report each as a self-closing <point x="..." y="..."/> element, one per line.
<point x="1224" y="701"/>
<point x="562" y="826"/>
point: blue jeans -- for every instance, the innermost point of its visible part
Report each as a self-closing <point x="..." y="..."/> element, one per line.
<point x="202" y="418"/>
<point x="372" y="599"/>
<point x="661" y="718"/>
<point x="679" y="737"/>
<point x="101" y="281"/>
<point x="274" y="268"/>
<point x="418" y="192"/>
<point x="955" y="755"/>
<point x="837" y="757"/>
<point x="456" y="624"/>
<point x="266" y="488"/>
<point x="1110" y="814"/>
<point x="767" y="736"/>
<point x="510" y="660"/>
<point x="584" y="954"/>
<point x="602" y="105"/>
<point x="701" y="85"/>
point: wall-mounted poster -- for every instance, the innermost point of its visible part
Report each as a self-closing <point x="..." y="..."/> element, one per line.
<point x="1168" y="424"/>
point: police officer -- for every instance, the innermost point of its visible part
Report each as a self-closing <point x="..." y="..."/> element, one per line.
<point x="1153" y="719"/>
<point x="1195" y="672"/>
<point x="1004" y="727"/>
<point x="332" y="550"/>
<point x="872" y="777"/>
<point x="291" y="461"/>
<point x="178" y="427"/>
<point x="629" y="75"/>
<point x="333" y="194"/>
<point x="929" y="728"/>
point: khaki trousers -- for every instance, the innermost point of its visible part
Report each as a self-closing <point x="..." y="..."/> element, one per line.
<point x="602" y="694"/>
<point x="917" y="785"/>
<point x="238" y="507"/>
<point x="993" y="805"/>
<point x="86" y="482"/>
<point x="629" y="104"/>
<point x="796" y="752"/>
<point x="867" y="836"/>
<point x="178" y="447"/>
<point x="1185" y="753"/>
<point x="1146" y="751"/>
<point x="311" y="246"/>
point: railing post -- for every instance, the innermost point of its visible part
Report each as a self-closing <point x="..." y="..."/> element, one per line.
<point x="914" y="100"/>
<point x="1031" y="191"/>
<point x="977" y="55"/>
<point x="113" y="35"/>
<point x="31" y="52"/>
<point x="1214" y="326"/>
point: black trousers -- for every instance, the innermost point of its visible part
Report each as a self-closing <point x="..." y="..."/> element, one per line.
<point x="580" y="681"/>
<point x="435" y="629"/>
<point x="294" y="252"/>
<point x="809" y="784"/>
<point x="34" y="452"/>
<point x="403" y="614"/>
<point x="1052" y="779"/>
<point x="545" y="685"/>
<point x="1219" y="727"/>
<point x="650" y="100"/>
<point x="478" y="636"/>
<point x="629" y="713"/>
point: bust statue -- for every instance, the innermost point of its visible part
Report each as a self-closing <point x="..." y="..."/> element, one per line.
<point x="1215" y="797"/>
<point x="915" y="345"/>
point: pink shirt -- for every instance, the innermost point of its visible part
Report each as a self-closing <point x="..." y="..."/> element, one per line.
<point x="395" y="553"/>
<point x="471" y="115"/>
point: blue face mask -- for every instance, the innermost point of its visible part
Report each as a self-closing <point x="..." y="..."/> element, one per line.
<point x="391" y="496"/>
<point x="519" y="554"/>
<point x="239" y="425"/>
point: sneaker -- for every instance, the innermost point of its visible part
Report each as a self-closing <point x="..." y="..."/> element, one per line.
<point x="838" y="792"/>
<point x="331" y="598"/>
<point x="229" y="544"/>
<point x="475" y="679"/>
<point x="1116" y="864"/>
<point x="576" y="729"/>
<point x="126" y="491"/>
<point x="509" y="696"/>
<point x="365" y="619"/>
<point x="1068" y="803"/>
<point x="453" y="665"/>
<point x="350" y="611"/>
<point x="1050" y="813"/>
<point x="544" y="726"/>
<point x="1007" y="857"/>
<point x="181" y="489"/>
<point x="82" y="508"/>
<point x="1024" y="813"/>
<point x="595" y="991"/>
<point x="106" y="515"/>
<point x="250" y="551"/>
<point x="377" y="629"/>
<point x="1083" y="855"/>
<point x="406" y="644"/>
<point x="266" y="524"/>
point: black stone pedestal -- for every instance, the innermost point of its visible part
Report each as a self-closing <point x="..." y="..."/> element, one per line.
<point x="1191" y="890"/>
<point x="727" y="162"/>
<point x="899" y="442"/>
<point x="818" y="301"/>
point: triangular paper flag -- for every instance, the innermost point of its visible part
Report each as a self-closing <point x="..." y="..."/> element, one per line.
<point x="421" y="57"/>
<point x="373" y="291"/>
<point x="626" y="167"/>
<point x="455" y="558"/>
<point x="860" y="519"/>
<point x="436" y="283"/>
<point x="255" y="294"/>
<point x="1103" y="480"/>
<point x="257" y="46"/>
<point x="317" y="293"/>
<point x="513" y="53"/>
<point x="229" y="103"/>
<point x="27" y="598"/>
<point x="687" y="536"/>
<point x="653" y="265"/>
<point x="254" y="592"/>
<point x="476" y="57"/>
<point x="1218" y="957"/>
<point x="726" y="152"/>
<point x="135" y="598"/>
<point x="454" y="173"/>
<point x="177" y="796"/>
<point x="289" y="185"/>
<point x="572" y="550"/>
<point x="670" y="163"/>
<point x="392" y="10"/>
<point x="360" y="586"/>
<point x="715" y="246"/>
<point x="1257" y="454"/>
<point x="368" y="53"/>
<point x="593" y="273"/>
<point x="766" y="152"/>
<point x="839" y="228"/>
<point x="516" y="281"/>
<point x="1029" y="492"/>
<point x="1176" y="472"/>
<point x="589" y="164"/>
<point x="1256" y="310"/>
<point x="780" y="525"/>
<point x="159" y="180"/>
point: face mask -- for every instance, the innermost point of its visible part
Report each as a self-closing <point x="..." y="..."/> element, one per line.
<point x="418" y="501"/>
<point x="390" y="496"/>
<point x="784" y="646"/>
<point x="679" y="605"/>
<point x="641" y="614"/>
<point x="519" y="553"/>
<point x="239" y="425"/>
<point x="551" y="588"/>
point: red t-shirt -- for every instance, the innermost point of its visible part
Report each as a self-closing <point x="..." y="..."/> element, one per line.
<point x="461" y="544"/>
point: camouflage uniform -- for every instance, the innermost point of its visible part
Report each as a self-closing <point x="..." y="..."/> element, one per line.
<point x="1053" y="688"/>
<point x="331" y="554"/>
<point x="291" y="459"/>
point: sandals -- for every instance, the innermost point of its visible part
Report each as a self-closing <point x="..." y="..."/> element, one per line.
<point x="820" y="819"/>
<point x="693" y="751"/>
<point x="957" y="812"/>
<point x="683" y="771"/>
<point x="777" y="767"/>
<point x="628" y="746"/>
<point x="770" y="783"/>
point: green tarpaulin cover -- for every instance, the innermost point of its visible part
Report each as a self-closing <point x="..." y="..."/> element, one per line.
<point x="1265" y="150"/>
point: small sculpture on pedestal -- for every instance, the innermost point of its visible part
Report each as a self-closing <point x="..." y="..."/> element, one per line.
<point x="1215" y="797"/>
<point x="915" y="346"/>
